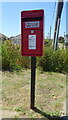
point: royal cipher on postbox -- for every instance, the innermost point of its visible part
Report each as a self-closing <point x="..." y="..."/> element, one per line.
<point x="32" y="24"/>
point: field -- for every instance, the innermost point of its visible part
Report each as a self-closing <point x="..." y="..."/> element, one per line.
<point x="49" y="98"/>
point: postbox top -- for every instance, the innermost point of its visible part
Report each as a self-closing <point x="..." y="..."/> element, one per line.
<point x="32" y="13"/>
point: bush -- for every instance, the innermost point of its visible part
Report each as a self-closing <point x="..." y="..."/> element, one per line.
<point x="11" y="57"/>
<point x="46" y="61"/>
<point x="54" y="60"/>
<point x="0" y="55"/>
<point x="61" y="39"/>
<point x="59" y="61"/>
<point x="48" y="42"/>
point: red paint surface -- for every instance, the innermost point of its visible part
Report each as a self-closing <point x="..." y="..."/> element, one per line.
<point x="29" y="16"/>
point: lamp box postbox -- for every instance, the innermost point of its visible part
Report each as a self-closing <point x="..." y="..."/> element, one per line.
<point x="32" y="32"/>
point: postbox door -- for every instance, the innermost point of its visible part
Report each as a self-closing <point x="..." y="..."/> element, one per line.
<point x="32" y="42"/>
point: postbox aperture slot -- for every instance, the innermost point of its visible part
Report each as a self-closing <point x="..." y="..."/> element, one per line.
<point x="31" y="19"/>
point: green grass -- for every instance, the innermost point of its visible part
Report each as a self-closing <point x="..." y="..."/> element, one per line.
<point x="50" y="93"/>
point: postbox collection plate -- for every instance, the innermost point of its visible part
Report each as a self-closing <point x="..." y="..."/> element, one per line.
<point x="33" y="24"/>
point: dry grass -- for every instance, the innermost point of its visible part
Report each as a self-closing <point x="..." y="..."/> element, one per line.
<point x="50" y="93"/>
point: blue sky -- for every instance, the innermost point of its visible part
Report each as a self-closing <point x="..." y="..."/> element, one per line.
<point x="11" y="17"/>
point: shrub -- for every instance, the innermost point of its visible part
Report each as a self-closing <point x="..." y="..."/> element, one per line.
<point x="11" y="57"/>
<point x="54" y="60"/>
<point x="0" y="55"/>
<point x="46" y="60"/>
<point x="59" y="60"/>
<point x="51" y="60"/>
<point x="48" y="42"/>
<point x="61" y="39"/>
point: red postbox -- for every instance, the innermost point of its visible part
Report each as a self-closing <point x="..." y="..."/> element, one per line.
<point x="32" y="23"/>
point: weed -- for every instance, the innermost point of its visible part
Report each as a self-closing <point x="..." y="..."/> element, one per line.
<point x="18" y="109"/>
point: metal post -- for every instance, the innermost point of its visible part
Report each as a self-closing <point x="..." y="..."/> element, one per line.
<point x="55" y="28"/>
<point x="50" y="32"/>
<point x="33" y="72"/>
<point x="57" y="33"/>
<point x="58" y="15"/>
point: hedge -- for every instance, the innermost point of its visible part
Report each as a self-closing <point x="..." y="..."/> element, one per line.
<point x="12" y="59"/>
<point x="56" y="61"/>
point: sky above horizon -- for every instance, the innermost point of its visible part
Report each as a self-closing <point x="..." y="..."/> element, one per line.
<point x="11" y="17"/>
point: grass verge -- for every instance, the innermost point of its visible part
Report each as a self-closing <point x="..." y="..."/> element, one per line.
<point x="50" y="93"/>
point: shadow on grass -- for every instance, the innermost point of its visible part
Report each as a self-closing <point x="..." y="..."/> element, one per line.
<point x="48" y="117"/>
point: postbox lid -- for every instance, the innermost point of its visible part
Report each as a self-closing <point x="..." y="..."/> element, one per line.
<point x="32" y="13"/>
